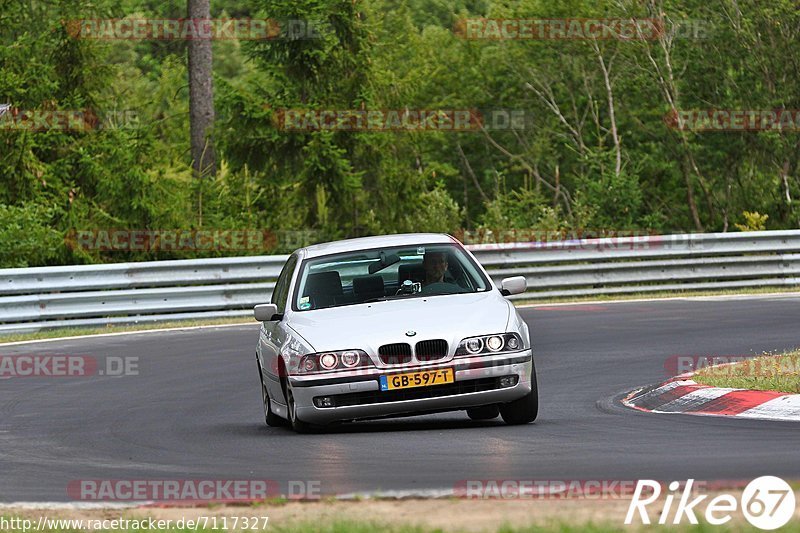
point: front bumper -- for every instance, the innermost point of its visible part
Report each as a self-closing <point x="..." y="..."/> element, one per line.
<point x="357" y="396"/>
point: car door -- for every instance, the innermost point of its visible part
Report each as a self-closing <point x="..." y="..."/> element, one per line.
<point x="273" y="334"/>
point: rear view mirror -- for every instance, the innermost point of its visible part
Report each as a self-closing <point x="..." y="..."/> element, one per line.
<point x="265" y="312"/>
<point x="386" y="261"/>
<point x="515" y="285"/>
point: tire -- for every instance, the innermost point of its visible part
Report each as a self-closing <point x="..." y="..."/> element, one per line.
<point x="296" y="424"/>
<point x="526" y="409"/>
<point x="270" y="418"/>
<point x="484" y="412"/>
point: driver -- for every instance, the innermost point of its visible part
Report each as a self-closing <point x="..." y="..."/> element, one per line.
<point x="435" y="265"/>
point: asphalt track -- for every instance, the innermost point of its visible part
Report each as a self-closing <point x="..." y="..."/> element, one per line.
<point x="194" y="412"/>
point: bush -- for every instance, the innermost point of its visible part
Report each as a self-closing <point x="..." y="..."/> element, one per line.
<point x="521" y="209"/>
<point x="436" y="212"/>
<point x="26" y="238"/>
<point x="753" y="221"/>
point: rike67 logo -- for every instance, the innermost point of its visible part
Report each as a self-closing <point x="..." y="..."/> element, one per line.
<point x="767" y="502"/>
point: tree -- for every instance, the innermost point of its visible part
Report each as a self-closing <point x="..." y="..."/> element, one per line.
<point x="201" y="100"/>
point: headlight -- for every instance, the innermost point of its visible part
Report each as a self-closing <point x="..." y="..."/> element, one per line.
<point x="494" y="343"/>
<point x="474" y="345"/>
<point x="331" y="361"/>
<point x="328" y="361"/>
<point x="490" y="344"/>
<point x="308" y="365"/>
<point x="350" y="358"/>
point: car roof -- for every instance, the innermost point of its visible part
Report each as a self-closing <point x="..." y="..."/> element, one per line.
<point x="380" y="241"/>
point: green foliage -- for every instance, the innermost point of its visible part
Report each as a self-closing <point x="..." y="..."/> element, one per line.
<point x="434" y="211"/>
<point x="768" y="372"/>
<point x="26" y="236"/>
<point x="521" y="209"/>
<point x="580" y="162"/>
<point x="753" y="221"/>
<point x="607" y="200"/>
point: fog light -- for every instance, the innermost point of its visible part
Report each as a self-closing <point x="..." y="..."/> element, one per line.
<point x="323" y="401"/>
<point x="508" y="381"/>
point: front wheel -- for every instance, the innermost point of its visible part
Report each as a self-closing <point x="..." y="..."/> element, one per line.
<point x="298" y="425"/>
<point x="270" y="417"/>
<point x="526" y="409"/>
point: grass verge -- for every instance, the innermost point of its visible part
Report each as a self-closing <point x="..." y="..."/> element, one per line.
<point x="770" y="372"/>
<point x="77" y="332"/>
<point x="444" y="515"/>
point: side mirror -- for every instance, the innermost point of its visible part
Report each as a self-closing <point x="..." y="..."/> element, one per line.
<point x="265" y="312"/>
<point x="515" y="285"/>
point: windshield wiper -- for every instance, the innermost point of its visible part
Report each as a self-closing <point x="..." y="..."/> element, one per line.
<point x="373" y="300"/>
<point x="385" y="298"/>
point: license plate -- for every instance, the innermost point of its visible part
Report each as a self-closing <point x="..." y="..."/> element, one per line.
<point x="417" y="379"/>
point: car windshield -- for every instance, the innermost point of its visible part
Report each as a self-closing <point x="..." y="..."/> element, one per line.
<point x="386" y="274"/>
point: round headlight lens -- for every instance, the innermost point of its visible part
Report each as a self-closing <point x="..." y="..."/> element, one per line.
<point x="328" y="361"/>
<point x="308" y="364"/>
<point x="512" y="343"/>
<point x="474" y="345"/>
<point x="494" y="343"/>
<point x="350" y="359"/>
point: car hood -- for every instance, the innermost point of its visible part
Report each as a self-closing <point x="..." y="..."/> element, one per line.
<point x="368" y="326"/>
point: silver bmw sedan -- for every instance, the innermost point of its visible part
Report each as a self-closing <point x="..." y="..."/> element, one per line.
<point x="394" y="325"/>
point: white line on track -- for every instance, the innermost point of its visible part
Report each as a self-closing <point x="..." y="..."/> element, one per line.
<point x="416" y="494"/>
<point x="70" y="506"/>
<point x="118" y="333"/>
<point x="770" y="295"/>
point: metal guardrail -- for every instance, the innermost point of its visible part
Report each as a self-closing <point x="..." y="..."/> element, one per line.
<point x="91" y="295"/>
<point x="647" y="264"/>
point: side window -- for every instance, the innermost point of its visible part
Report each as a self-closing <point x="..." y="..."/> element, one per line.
<point x="281" y="291"/>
